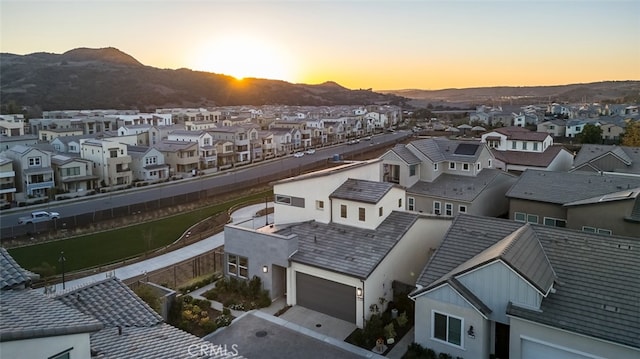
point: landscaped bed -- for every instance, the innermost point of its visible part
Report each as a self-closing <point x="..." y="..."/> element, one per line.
<point x="239" y="294"/>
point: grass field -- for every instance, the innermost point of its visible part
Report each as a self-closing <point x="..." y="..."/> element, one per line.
<point x="112" y="246"/>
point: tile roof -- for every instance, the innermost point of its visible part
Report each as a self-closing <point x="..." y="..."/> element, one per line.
<point x="461" y="188"/>
<point x="520" y="133"/>
<point x="12" y="274"/>
<point x="595" y="291"/>
<point x="362" y="190"/>
<point x="442" y="149"/>
<point x="405" y="154"/>
<point x="348" y="250"/>
<point x="566" y="187"/>
<point x="112" y="303"/>
<point x="160" y="341"/>
<point x="27" y="314"/>
<point x="328" y="171"/>
<point x="530" y="159"/>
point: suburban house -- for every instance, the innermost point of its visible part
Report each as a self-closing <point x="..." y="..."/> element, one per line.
<point x="206" y="145"/>
<point x="555" y="128"/>
<point x="51" y="134"/>
<point x="147" y="164"/>
<point x="240" y="136"/>
<point x="7" y="180"/>
<point x="590" y="202"/>
<point x="515" y="149"/>
<point x="181" y="156"/>
<point x="33" y="172"/>
<point x="12" y="125"/>
<point x="337" y="249"/>
<point x="69" y="144"/>
<point x="525" y="291"/>
<point x="574" y="128"/>
<point x="111" y="161"/>
<point x="610" y="159"/>
<point x="103" y="319"/>
<point x="73" y="176"/>
<point x="446" y="177"/>
<point x="7" y="142"/>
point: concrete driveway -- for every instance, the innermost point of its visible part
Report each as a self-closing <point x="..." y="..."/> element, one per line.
<point x="318" y="322"/>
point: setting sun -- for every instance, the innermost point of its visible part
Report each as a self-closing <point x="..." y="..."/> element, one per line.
<point x="243" y="56"/>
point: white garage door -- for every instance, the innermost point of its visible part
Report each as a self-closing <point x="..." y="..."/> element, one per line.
<point x="535" y="350"/>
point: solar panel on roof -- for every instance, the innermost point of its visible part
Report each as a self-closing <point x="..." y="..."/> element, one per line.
<point x="467" y="149"/>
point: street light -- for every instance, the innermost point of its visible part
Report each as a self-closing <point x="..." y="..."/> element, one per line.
<point x="62" y="259"/>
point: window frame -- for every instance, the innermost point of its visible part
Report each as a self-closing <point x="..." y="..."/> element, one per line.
<point x="411" y="203"/>
<point x="448" y="330"/>
<point x="319" y="205"/>
<point x="435" y="167"/>
<point x="452" y="166"/>
<point x="362" y="214"/>
<point x="235" y="261"/>
<point x="280" y="199"/>
<point x="555" y="222"/>
<point x="412" y="170"/>
<point x="448" y="209"/>
<point x="437" y="208"/>
<point x="343" y="211"/>
<point x="466" y="167"/>
<point x="462" y="208"/>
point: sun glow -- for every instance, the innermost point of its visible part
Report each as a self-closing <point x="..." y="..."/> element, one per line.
<point x="243" y="56"/>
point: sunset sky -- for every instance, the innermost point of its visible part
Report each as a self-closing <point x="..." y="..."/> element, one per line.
<point x="384" y="45"/>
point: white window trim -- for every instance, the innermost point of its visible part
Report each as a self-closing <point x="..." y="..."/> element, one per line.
<point x="435" y="167"/>
<point x="279" y="199"/>
<point x="411" y="203"/>
<point x="515" y="214"/>
<point x="452" y="166"/>
<point x="320" y="205"/>
<point x="465" y="164"/>
<point x="462" y="333"/>
<point x="544" y="220"/>
<point x="448" y="207"/>
<point x="439" y="209"/>
<point x="589" y="229"/>
<point x="460" y="207"/>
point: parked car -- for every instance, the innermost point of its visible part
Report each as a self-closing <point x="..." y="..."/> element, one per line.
<point x="298" y="154"/>
<point x="310" y="151"/>
<point x="38" y="216"/>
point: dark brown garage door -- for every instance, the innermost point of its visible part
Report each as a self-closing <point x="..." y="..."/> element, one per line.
<point x="325" y="296"/>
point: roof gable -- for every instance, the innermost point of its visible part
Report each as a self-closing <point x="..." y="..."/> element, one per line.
<point x="12" y="274"/>
<point x="362" y="190"/>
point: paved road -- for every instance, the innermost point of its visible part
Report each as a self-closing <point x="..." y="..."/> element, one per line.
<point x="243" y="217"/>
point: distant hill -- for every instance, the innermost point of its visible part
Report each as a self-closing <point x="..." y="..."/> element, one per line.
<point x="108" y="78"/>
<point x="608" y="91"/>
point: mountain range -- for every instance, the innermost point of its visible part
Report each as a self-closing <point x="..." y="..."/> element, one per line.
<point x="108" y="78"/>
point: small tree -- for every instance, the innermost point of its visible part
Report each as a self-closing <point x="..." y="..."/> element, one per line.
<point x="631" y="136"/>
<point x="591" y="134"/>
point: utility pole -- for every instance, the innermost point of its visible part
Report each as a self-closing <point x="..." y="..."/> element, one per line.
<point x="62" y="259"/>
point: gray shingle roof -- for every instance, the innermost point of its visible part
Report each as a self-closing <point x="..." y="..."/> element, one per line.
<point x="112" y="303"/>
<point x="460" y="188"/>
<point x="530" y="159"/>
<point x="27" y="314"/>
<point x="563" y="187"/>
<point x="362" y="190"/>
<point x="349" y="250"/>
<point x="596" y="287"/>
<point x="12" y="274"/>
<point x="405" y="154"/>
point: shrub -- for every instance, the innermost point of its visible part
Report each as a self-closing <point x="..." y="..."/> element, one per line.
<point x="389" y="331"/>
<point x="444" y="356"/>
<point x="373" y="330"/>
<point x="223" y="321"/>
<point x="402" y="319"/>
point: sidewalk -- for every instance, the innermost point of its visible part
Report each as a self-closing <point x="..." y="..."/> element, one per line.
<point x="140" y="268"/>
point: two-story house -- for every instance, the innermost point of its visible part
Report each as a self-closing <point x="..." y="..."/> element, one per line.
<point x="610" y="159"/>
<point x="206" y="145"/>
<point x="12" y="125"/>
<point x="33" y="172"/>
<point x="147" y="164"/>
<point x="447" y="177"/>
<point x="337" y="249"/>
<point x="506" y="289"/>
<point x="181" y="156"/>
<point x="555" y="128"/>
<point x="7" y="180"/>
<point x="73" y="176"/>
<point x="111" y="161"/>
<point x="516" y="149"/>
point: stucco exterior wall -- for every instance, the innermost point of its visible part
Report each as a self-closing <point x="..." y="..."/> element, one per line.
<point x="48" y="346"/>
<point x="579" y="344"/>
<point x="541" y="209"/>
<point x="604" y="215"/>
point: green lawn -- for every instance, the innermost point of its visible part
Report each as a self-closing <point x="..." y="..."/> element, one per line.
<point x="113" y="246"/>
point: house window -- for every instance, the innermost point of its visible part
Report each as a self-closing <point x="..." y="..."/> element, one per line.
<point x="435" y="167"/>
<point x="524" y="145"/>
<point x="462" y="209"/>
<point x="380" y="211"/>
<point x="490" y="163"/>
<point x="588" y="229"/>
<point x="448" y="209"/>
<point x="520" y="217"/>
<point x="411" y="203"/>
<point x="436" y="208"/>
<point x="554" y="222"/>
<point x="283" y="199"/>
<point x="465" y="167"/>
<point x="605" y="231"/>
<point x="320" y="205"/>
<point x="535" y="146"/>
<point x="66" y="354"/>
<point x="532" y="218"/>
<point x="361" y="214"/>
<point x="447" y="328"/>
<point x="237" y="266"/>
<point x="412" y="170"/>
<point x="113" y="153"/>
<point x="35" y="161"/>
<point x="399" y="202"/>
<point x="452" y="165"/>
<point x="343" y="210"/>
<point x="478" y="166"/>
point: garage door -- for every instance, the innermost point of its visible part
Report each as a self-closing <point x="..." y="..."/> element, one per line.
<point x="325" y="296"/>
<point x="534" y="350"/>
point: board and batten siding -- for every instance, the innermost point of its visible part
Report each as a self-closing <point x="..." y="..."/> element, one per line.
<point x="495" y="284"/>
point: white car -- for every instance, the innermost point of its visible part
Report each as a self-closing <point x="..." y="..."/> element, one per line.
<point x="310" y="151"/>
<point x="298" y="154"/>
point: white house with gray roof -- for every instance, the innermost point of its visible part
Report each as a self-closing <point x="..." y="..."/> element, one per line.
<point x="608" y="159"/>
<point x="521" y="291"/>
<point x="339" y="248"/>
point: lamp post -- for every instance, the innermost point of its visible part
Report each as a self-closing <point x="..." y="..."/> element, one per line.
<point x="61" y="260"/>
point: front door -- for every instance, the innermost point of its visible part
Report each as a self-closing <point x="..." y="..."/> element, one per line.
<point x="502" y="341"/>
